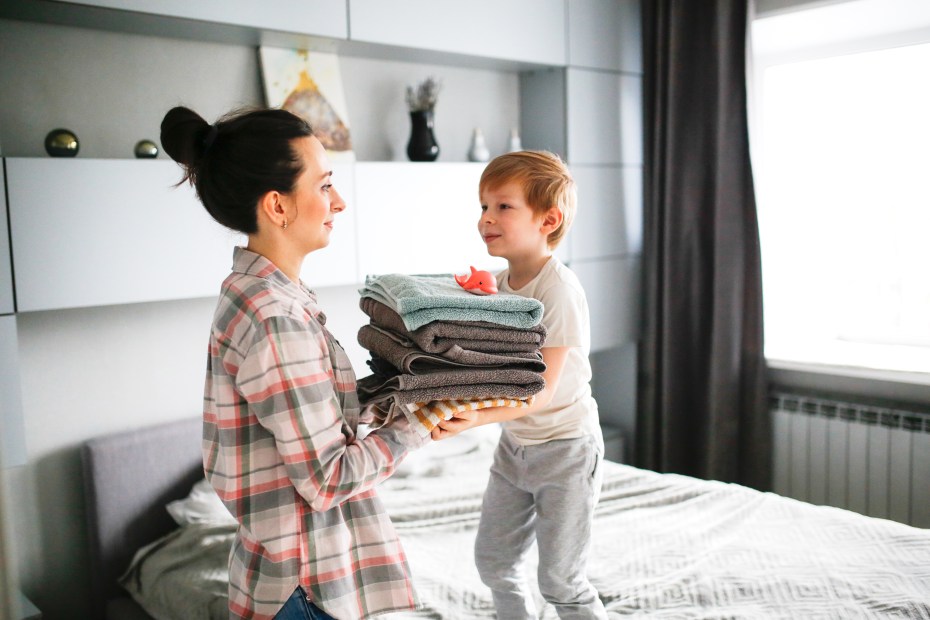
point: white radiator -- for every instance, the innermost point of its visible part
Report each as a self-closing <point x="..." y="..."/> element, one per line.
<point x="873" y="460"/>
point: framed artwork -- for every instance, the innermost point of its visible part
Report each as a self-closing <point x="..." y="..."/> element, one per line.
<point x="309" y="84"/>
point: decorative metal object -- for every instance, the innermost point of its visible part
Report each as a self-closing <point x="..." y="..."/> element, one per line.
<point x="62" y="143"/>
<point x="146" y="149"/>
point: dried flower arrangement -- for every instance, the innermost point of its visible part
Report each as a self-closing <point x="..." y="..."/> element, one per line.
<point x="424" y="96"/>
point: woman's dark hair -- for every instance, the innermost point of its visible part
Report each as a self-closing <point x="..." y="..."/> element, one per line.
<point x="234" y="162"/>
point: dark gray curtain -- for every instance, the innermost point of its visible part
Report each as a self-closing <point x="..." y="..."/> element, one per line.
<point x="702" y="406"/>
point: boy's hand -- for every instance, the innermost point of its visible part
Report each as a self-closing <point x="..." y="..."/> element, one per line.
<point x="462" y="421"/>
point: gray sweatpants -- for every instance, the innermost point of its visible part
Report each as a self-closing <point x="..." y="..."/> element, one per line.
<point x="545" y="492"/>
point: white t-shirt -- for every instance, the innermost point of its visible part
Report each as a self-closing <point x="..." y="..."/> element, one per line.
<point x="573" y="411"/>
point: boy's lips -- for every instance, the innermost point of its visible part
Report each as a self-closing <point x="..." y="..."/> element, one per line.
<point x="489" y="238"/>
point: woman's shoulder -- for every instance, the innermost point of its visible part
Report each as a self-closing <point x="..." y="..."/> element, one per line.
<point x="253" y="300"/>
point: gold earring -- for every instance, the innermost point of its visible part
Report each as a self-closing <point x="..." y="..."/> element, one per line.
<point x="284" y="225"/>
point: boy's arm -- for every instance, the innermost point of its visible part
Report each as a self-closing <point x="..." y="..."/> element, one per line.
<point x="554" y="357"/>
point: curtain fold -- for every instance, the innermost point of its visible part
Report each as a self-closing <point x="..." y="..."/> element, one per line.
<point x="702" y="406"/>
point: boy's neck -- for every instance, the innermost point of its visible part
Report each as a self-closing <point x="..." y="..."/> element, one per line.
<point x="523" y="270"/>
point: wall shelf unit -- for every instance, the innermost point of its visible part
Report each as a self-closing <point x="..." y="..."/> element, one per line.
<point x="104" y="229"/>
<point x="95" y="231"/>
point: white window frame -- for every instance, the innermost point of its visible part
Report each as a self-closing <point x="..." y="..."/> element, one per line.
<point x="870" y="25"/>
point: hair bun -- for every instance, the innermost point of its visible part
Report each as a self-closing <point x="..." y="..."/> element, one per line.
<point x="182" y="135"/>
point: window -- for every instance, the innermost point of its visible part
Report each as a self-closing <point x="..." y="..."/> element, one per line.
<point x="841" y="155"/>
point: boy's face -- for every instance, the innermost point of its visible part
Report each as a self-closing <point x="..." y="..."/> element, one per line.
<point x="509" y="227"/>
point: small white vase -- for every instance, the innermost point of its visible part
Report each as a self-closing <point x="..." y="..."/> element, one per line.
<point x="515" y="143"/>
<point x="478" y="151"/>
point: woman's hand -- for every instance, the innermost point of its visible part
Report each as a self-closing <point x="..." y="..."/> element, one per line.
<point x="462" y="421"/>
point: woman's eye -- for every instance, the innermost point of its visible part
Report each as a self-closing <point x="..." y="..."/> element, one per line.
<point x="327" y="187"/>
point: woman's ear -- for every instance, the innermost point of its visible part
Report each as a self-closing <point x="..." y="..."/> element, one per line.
<point x="551" y="220"/>
<point x="271" y="208"/>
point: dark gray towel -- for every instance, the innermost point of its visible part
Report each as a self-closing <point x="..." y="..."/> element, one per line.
<point x="456" y="384"/>
<point x="440" y="336"/>
<point x="407" y="357"/>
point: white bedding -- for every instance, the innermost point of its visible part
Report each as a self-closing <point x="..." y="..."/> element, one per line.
<point x="668" y="546"/>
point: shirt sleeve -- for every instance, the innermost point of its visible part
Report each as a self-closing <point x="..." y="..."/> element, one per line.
<point x="563" y="315"/>
<point x="287" y="379"/>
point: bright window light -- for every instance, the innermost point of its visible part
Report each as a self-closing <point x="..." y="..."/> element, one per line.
<point x="842" y="168"/>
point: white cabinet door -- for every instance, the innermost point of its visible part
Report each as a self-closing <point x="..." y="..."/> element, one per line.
<point x="11" y="406"/>
<point x="605" y="34"/>
<point x="6" y="271"/>
<point x="609" y="220"/>
<point x="612" y="287"/>
<point x="337" y="263"/>
<point x="604" y="117"/>
<point x="419" y="218"/>
<point x="520" y="30"/>
<point x="318" y="17"/>
<point x="89" y="232"/>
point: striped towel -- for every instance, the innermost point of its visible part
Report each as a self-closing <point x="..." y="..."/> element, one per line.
<point x="426" y="416"/>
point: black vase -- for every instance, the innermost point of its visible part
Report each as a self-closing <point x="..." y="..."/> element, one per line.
<point x="422" y="145"/>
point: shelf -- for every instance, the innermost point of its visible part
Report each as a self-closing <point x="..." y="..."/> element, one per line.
<point x="92" y="232"/>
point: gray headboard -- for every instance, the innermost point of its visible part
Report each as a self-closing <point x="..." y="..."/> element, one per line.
<point x="128" y="479"/>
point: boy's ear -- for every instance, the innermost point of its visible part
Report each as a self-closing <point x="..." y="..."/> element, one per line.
<point x="551" y="220"/>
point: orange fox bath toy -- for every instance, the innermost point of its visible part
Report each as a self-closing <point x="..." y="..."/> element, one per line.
<point x="478" y="282"/>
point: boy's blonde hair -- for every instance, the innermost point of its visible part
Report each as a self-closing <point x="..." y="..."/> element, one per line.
<point x="546" y="182"/>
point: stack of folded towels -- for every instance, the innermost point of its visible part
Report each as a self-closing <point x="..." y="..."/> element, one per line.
<point x="437" y="349"/>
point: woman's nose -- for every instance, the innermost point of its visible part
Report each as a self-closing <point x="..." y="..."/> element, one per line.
<point x="337" y="204"/>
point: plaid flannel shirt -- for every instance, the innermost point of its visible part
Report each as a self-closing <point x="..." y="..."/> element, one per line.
<point x="280" y="448"/>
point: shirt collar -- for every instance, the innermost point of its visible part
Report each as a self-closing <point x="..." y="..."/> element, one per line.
<point x="250" y="263"/>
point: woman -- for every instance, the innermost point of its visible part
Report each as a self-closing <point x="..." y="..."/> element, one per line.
<point x="280" y="408"/>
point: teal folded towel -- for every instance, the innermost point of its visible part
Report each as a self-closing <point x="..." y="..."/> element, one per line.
<point x="422" y="299"/>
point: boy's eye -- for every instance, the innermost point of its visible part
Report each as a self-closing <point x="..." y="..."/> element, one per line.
<point x="484" y="207"/>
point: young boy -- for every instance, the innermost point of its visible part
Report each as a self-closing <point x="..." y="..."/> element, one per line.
<point x="545" y="478"/>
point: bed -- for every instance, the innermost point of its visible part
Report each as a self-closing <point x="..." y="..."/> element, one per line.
<point x="666" y="546"/>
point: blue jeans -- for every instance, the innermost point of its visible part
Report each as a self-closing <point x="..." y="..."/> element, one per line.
<point x="299" y="608"/>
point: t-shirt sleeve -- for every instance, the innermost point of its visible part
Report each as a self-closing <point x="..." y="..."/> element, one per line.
<point x="563" y="316"/>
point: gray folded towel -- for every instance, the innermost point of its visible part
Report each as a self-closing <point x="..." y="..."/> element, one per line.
<point x="450" y="385"/>
<point x="440" y="336"/>
<point x="404" y="355"/>
<point x="421" y="299"/>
